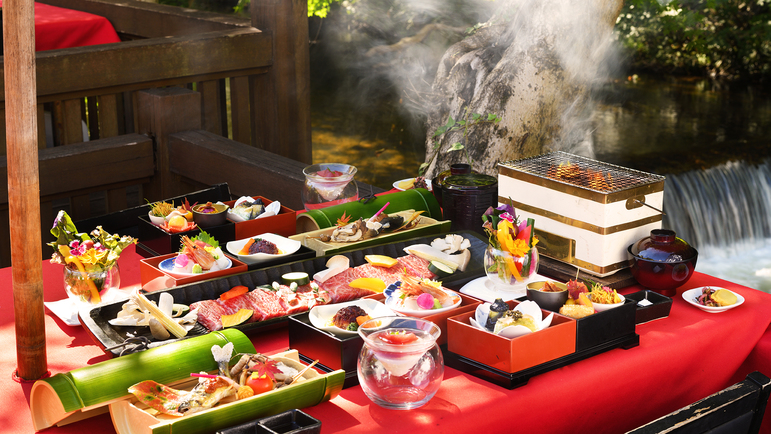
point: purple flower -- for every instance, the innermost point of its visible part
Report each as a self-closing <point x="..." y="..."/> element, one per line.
<point x="507" y="208"/>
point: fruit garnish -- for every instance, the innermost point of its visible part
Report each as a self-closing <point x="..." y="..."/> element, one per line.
<point x="237" y="318"/>
<point x="326" y="173"/>
<point x="398" y="338"/>
<point x="381" y="260"/>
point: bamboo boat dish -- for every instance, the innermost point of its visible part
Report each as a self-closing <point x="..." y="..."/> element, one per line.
<point x="89" y="391"/>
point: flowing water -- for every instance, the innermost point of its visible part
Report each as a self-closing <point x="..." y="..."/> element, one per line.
<point x="713" y="143"/>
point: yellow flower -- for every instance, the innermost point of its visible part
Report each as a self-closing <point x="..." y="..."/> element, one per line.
<point x="92" y="256"/>
<point x="519" y="248"/>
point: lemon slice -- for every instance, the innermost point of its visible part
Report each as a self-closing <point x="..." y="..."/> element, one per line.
<point x="369" y="283"/>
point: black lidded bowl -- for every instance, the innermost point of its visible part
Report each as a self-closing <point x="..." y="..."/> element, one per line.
<point x="662" y="262"/>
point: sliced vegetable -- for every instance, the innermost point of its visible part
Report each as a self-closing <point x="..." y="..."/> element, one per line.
<point x="168" y="322"/>
<point x="298" y="277"/>
<point x="237" y="318"/>
<point x="179" y="310"/>
<point x="440" y="269"/>
<point x="456" y="262"/>
<point x="245" y="250"/>
<point x="369" y="283"/>
<point x="381" y="260"/>
<point x="234" y="292"/>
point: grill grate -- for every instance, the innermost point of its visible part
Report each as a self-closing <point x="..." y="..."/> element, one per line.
<point x="583" y="172"/>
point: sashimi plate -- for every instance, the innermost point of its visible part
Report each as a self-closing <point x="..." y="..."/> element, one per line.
<point x="167" y="266"/>
<point x="321" y="316"/>
<point x="393" y="303"/>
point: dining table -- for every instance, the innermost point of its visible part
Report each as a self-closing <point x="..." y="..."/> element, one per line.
<point x="57" y="27"/>
<point x="680" y="359"/>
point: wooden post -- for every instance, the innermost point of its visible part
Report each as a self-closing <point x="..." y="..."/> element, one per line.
<point x="161" y="112"/>
<point x="282" y="125"/>
<point x="24" y="187"/>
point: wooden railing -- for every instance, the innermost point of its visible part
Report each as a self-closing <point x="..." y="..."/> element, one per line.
<point x="176" y="70"/>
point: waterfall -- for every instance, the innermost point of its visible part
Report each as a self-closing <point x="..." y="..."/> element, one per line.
<point x="720" y="207"/>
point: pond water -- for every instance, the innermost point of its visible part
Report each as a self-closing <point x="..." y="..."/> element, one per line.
<point x="680" y="128"/>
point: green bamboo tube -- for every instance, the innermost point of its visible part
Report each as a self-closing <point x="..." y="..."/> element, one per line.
<point x="418" y="199"/>
<point x="109" y="380"/>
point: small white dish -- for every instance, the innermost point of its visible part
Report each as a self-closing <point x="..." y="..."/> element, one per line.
<point x="692" y="294"/>
<point x="285" y="245"/>
<point x="528" y="307"/>
<point x="167" y="266"/>
<point x="600" y="307"/>
<point x="157" y="221"/>
<point x="396" y="184"/>
<point x="321" y="316"/>
<point x="392" y="303"/>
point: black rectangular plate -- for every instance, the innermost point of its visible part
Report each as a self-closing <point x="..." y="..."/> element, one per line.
<point x="288" y="422"/>
<point x="95" y="321"/>
<point x="518" y="379"/>
<point x="659" y="309"/>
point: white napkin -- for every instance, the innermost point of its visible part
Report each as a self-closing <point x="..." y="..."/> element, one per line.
<point x="270" y="210"/>
<point x="67" y="309"/>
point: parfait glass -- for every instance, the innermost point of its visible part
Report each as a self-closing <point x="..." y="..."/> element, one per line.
<point x="83" y="287"/>
<point x="400" y="366"/>
<point x="329" y="184"/>
<point x="508" y="272"/>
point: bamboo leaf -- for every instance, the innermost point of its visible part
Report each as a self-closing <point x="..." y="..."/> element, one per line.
<point x="457" y="146"/>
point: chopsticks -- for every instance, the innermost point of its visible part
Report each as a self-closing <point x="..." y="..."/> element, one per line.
<point x="300" y="374"/>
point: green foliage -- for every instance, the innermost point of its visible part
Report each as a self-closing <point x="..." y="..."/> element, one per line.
<point x="469" y="120"/>
<point x="723" y="38"/>
<point x="318" y="8"/>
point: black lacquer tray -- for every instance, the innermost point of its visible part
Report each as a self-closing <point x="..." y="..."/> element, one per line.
<point x="96" y="321"/>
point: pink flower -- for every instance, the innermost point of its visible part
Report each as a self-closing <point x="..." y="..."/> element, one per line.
<point x="508" y="217"/>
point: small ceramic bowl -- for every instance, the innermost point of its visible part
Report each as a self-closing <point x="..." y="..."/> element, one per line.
<point x="157" y="221"/>
<point x="552" y="301"/>
<point x="600" y="307"/>
<point x="205" y="220"/>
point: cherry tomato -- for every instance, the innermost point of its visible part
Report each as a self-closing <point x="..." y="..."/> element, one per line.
<point x="398" y="338"/>
<point x="259" y="383"/>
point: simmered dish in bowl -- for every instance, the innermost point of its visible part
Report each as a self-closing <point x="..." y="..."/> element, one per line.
<point x="262" y="248"/>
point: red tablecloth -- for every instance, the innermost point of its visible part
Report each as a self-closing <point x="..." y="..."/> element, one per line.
<point x="57" y="27"/>
<point x="682" y="358"/>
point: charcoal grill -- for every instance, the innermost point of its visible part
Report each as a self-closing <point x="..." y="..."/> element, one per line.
<point x="586" y="211"/>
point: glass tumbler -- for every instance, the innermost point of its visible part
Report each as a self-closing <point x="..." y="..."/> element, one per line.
<point x="400" y="366"/>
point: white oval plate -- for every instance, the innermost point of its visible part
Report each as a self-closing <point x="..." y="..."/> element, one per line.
<point x="692" y="294"/>
<point x="284" y="244"/>
<point x="321" y="315"/>
<point x="600" y="307"/>
<point x="396" y="184"/>
<point x="392" y="303"/>
<point x="167" y="266"/>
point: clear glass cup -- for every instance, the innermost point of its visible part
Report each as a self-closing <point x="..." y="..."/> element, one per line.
<point x="329" y="184"/>
<point x="90" y="287"/>
<point x="503" y="268"/>
<point x="400" y="366"/>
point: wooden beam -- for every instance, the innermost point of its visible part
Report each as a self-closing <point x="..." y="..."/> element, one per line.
<point x="141" y="19"/>
<point x="281" y="104"/>
<point x="23" y="186"/>
<point x="162" y="112"/>
<point x="109" y="161"/>
<point x="135" y="65"/>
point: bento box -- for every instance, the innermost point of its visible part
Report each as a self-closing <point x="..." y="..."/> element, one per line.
<point x="659" y="306"/>
<point x="160" y="242"/>
<point x="511" y="355"/>
<point x="281" y="224"/>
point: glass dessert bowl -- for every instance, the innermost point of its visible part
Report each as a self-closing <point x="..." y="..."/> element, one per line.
<point x="400" y="366"/>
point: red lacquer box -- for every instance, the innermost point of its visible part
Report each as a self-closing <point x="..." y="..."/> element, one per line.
<point x="511" y="355"/>
<point x="283" y="224"/>
<point x="149" y="270"/>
